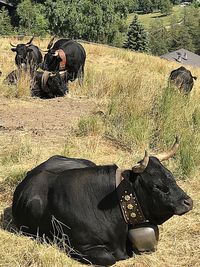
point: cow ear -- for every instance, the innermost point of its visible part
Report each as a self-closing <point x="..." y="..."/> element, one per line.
<point x="13" y="49"/>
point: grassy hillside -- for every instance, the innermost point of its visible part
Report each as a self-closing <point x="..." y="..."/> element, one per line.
<point x="147" y="19"/>
<point x="124" y="108"/>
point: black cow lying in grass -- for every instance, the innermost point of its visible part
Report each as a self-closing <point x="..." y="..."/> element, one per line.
<point x="13" y="77"/>
<point x="96" y="206"/>
<point x="182" y="79"/>
<point x="49" y="85"/>
<point x="43" y="84"/>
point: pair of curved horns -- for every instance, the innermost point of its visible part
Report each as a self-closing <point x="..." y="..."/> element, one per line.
<point x="51" y="42"/>
<point x="141" y="166"/>
<point x="27" y="44"/>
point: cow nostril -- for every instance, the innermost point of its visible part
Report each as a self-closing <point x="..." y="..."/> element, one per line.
<point x="188" y="202"/>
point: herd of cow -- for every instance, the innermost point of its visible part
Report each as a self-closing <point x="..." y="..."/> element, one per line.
<point x="104" y="213"/>
<point x="64" y="61"/>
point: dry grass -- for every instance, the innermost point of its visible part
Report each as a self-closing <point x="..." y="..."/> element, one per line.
<point x="135" y="111"/>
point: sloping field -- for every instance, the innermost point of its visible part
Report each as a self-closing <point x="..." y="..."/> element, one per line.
<point x="124" y="107"/>
<point x="148" y="19"/>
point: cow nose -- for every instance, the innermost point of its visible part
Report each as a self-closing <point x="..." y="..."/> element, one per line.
<point x="188" y="203"/>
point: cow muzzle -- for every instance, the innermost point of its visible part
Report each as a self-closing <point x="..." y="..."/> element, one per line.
<point x="186" y="205"/>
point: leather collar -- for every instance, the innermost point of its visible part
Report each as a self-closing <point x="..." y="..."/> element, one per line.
<point x="63" y="57"/>
<point x="128" y="201"/>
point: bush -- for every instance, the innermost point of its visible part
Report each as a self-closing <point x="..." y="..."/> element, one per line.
<point x="5" y="22"/>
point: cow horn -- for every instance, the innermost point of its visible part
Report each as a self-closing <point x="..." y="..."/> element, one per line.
<point x="45" y="77"/>
<point x="13" y="45"/>
<point x="141" y="166"/>
<point x="52" y="74"/>
<point x="62" y="73"/>
<point x="51" y="42"/>
<point x="55" y="54"/>
<point x="30" y="40"/>
<point x="166" y="155"/>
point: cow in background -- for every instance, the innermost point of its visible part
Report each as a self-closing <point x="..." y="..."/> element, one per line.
<point x="48" y="84"/>
<point x="28" y="56"/>
<point x="68" y="55"/>
<point x="43" y="84"/>
<point x="182" y="79"/>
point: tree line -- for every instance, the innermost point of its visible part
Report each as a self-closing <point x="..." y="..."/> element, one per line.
<point x="105" y="21"/>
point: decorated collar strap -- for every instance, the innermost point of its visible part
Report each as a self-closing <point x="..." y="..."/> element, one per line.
<point x="63" y="57"/>
<point x="129" y="204"/>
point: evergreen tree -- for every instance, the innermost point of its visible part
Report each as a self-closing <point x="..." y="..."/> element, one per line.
<point x="146" y="6"/>
<point x="137" y="37"/>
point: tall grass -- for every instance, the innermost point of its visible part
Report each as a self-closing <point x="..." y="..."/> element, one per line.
<point x="141" y="110"/>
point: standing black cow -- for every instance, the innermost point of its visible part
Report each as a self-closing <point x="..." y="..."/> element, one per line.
<point x="183" y="79"/>
<point x="49" y="85"/>
<point x="67" y="55"/>
<point x="96" y="205"/>
<point x="28" y="56"/>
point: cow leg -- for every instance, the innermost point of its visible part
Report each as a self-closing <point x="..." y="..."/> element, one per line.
<point x="99" y="256"/>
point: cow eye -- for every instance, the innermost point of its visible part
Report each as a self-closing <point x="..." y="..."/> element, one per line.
<point x="162" y="188"/>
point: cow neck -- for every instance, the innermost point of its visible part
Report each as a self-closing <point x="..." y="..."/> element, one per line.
<point x="128" y="201"/>
<point x="63" y="58"/>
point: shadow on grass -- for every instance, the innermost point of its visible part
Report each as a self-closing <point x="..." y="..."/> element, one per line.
<point x="6" y="221"/>
<point x="59" y="239"/>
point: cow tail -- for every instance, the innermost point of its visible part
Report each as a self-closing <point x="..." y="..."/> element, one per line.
<point x="81" y="75"/>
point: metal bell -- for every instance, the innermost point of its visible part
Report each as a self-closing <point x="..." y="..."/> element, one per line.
<point x="144" y="237"/>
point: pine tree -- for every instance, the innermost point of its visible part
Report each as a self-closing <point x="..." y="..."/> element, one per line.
<point x="137" y="38"/>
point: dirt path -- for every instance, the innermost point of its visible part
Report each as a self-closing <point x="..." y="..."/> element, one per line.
<point x="38" y="116"/>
